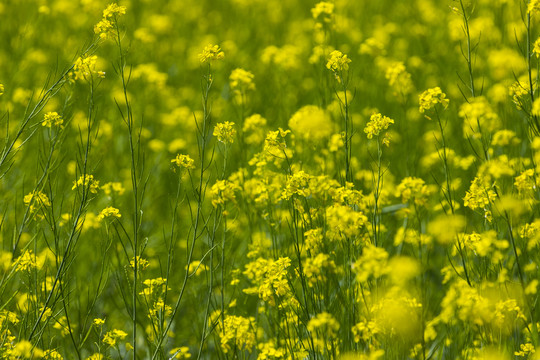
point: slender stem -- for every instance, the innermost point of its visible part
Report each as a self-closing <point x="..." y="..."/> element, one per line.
<point x="469" y="50"/>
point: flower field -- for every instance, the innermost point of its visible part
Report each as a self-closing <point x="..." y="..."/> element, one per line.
<point x="266" y="179"/>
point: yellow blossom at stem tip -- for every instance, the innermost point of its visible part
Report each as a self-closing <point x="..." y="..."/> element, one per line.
<point x="338" y="62"/>
<point x="225" y="132"/>
<point x="52" y="119"/>
<point x="109" y="212"/>
<point x="210" y="53"/>
<point x="431" y="97"/>
<point x="113" y="10"/>
<point x="183" y="161"/>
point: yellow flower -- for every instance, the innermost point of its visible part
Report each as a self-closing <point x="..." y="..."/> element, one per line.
<point x="36" y="200"/>
<point x="241" y="81"/>
<point x="183" y="161"/>
<point x="25" y="350"/>
<point x="211" y="53"/>
<point x="504" y="138"/>
<point x="142" y="263"/>
<point x="52" y="355"/>
<point x="525" y="182"/>
<point x="27" y="261"/>
<point x="316" y="268"/>
<point x="372" y="264"/>
<point x="113" y="336"/>
<point x="446" y="227"/>
<point x="536" y="48"/>
<point x="87" y="181"/>
<point x="225" y="132"/>
<point x="85" y="68"/>
<point x="536" y="107"/>
<point x="2" y="89"/>
<point x="238" y="332"/>
<point x="154" y="286"/>
<point x="478" y="117"/>
<point x="254" y="129"/>
<point x="376" y="124"/>
<point x="311" y="123"/>
<point x="479" y="195"/>
<point x="196" y="268"/>
<point x="113" y="187"/>
<point x="399" y="79"/>
<point x="525" y="350"/>
<point x="113" y="10"/>
<point x="338" y="62"/>
<point x="95" y="357"/>
<point x="52" y="119"/>
<point x="431" y="97"/>
<point x="323" y="11"/>
<point x="412" y="188"/>
<point x="324" y="322"/>
<point x="180" y="353"/>
<point x="222" y="191"/>
<point x="104" y="28"/>
<point x="109" y="212"/>
<point x="533" y="7"/>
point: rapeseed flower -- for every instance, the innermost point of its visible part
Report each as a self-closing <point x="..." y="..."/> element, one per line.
<point x="112" y="337"/>
<point x="377" y="123"/>
<point x="211" y="53"/>
<point x="413" y="189"/>
<point x="311" y="123"/>
<point x="431" y="97"/>
<point x="180" y="353"/>
<point x="183" y="162"/>
<point x="238" y="332"/>
<point x="109" y="211"/>
<point x="338" y="62"/>
<point x="36" y="200"/>
<point x="52" y="119"/>
<point x="113" y="10"/>
<point x="323" y="12"/>
<point x="241" y="82"/>
<point x="87" y="181"/>
<point x="399" y="79"/>
<point x="225" y="132"/>
<point x="533" y="7"/>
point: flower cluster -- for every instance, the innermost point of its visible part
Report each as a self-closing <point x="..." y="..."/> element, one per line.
<point x="225" y="132"/>
<point x="338" y="62"/>
<point x="87" y="182"/>
<point x="112" y="337"/>
<point x="52" y="119"/>
<point x="413" y="189"/>
<point x="180" y="353"/>
<point x="183" y="162"/>
<point x="399" y="80"/>
<point x="36" y="200"/>
<point x="376" y="124"/>
<point x="223" y="191"/>
<point x="241" y="81"/>
<point x="238" y="332"/>
<point x="478" y="117"/>
<point x="211" y="53"/>
<point x="533" y="7"/>
<point x="323" y="12"/>
<point x="431" y="97"/>
<point x="109" y="211"/>
<point x="85" y="68"/>
<point x="106" y="27"/>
